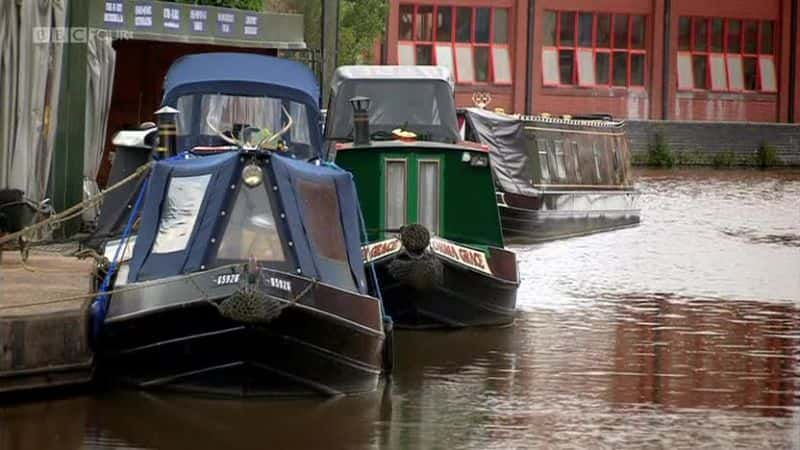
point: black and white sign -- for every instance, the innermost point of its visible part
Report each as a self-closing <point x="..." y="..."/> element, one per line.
<point x="172" y="18"/>
<point x="198" y="20"/>
<point x="226" y="22"/>
<point x="143" y="15"/>
<point x="114" y="13"/>
<point x="250" y="25"/>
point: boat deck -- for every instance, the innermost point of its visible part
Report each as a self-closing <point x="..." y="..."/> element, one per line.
<point x="44" y="339"/>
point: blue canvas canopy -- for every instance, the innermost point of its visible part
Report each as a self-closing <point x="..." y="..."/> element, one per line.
<point x="246" y="74"/>
<point x="241" y="73"/>
<point x="191" y="202"/>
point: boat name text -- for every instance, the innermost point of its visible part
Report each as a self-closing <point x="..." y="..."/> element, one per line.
<point x="378" y="250"/>
<point x="466" y="256"/>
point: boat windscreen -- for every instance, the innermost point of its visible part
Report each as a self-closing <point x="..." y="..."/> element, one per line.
<point x="244" y="118"/>
<point x="424" y="107"/>
<point x="320" y="205"/>
<point x="251" y="229"/>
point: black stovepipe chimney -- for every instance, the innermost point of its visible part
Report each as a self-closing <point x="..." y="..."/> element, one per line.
<point x="167" y="132"/>
<point x="361" y="135"/>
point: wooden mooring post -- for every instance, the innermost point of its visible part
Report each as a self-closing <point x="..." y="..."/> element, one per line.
<point x="44" y="339"/>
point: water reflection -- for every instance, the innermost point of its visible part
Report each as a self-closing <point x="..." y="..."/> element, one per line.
<point x="707" y="353"/>
<point x="144" y="420"/>
<point x="681" y="333"/>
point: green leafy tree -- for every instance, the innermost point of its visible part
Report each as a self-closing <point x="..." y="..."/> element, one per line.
<point x="361" y="22"/>
<point x="252" y="5"/>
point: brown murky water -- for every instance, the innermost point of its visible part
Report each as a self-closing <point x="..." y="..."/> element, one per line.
<point x="681" y="333"/>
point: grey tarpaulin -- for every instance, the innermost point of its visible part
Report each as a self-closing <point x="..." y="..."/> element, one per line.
<point x="30" y="78"/>
<point x="101" y="59"/>
<point x="417" y="98"/>
<point x="508" y="147"/>
<point x="9" y="38"/>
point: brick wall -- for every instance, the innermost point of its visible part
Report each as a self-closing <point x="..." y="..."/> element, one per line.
<point x="699" y="142"/>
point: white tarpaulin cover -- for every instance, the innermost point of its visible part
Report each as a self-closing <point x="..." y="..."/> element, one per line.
<point x="101" y="59"/>
<point x="30" y="76"/>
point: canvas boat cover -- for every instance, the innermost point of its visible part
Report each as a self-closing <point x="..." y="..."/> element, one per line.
<point x="417" y="98"/>
<point x="246" y="74"/>
<point x="512" y="142"/>
<point x="118" y="204"/>
<point x="240" y="73"/>
<point x="508" y="148"/>
<point x="345" y="73"/>
<point x="189" y="204"/>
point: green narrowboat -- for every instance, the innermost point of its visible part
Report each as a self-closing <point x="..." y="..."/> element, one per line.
<point x="433" y="229"/>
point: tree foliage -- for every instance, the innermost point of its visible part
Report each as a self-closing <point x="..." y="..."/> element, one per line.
<point x="361" y="22"/>
<point x="252" y="5"/>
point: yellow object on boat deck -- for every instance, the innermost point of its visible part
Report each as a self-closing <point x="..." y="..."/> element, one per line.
<point x="404" y="135"/>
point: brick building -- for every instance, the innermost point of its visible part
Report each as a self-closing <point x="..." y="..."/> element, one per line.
<point x="692" y="60"/>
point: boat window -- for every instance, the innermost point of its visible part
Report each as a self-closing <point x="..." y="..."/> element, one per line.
<point x="251" y="229"/>
<point x="179" y="212"/>
<point x="428" y="200"/>
<point x="541" y="145"/>
<point x="560" y="159"/>
<point x="299" y="132"/>
<point x="395" y="194"/>
<point x="241" y="117"/>
<point x="576" y="161"/>
<point x="322" y="222"/>
<point x="596" y="154"/>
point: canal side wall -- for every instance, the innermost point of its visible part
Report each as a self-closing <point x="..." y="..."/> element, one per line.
<point x="715" y="143"/>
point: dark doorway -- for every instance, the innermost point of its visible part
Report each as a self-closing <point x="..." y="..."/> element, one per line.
<point x="138" y="82"/>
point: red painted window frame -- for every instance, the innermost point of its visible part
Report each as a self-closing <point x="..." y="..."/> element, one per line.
<point x="610" y="50"/>
<point x="742" y="53"/>
<point x="491" y="45"/>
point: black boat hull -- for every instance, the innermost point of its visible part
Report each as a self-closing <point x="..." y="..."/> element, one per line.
<point x="562" y="215"/>
<point x="462" y="298"/>
<point x="189" y="345"/>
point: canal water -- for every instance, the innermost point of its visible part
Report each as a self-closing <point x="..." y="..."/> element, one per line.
<point x="681" y="333"/>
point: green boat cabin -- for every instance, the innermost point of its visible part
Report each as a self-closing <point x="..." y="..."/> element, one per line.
<point x="438" y="185"/>
<point x="434" y="179"/>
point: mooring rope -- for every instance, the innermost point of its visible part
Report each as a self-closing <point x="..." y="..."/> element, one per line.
<point x="100" y="304"/>
<point x="76" y="210"/>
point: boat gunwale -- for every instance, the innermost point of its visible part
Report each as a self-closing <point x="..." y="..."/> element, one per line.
<point x="205" y="299"/>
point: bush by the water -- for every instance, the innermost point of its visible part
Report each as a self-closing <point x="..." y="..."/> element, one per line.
<point x="724" y="159"/>
<point x="660" y="154"/>
<point x="767" y="156"/>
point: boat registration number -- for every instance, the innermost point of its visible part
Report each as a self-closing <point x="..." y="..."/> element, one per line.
<point x="466" y="256"/>
<point x="277" y="283"/>
<point x="226" y="279"/>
